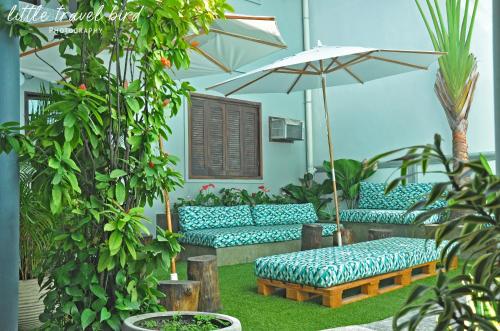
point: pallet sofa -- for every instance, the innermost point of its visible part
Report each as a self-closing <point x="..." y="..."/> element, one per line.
<point x="340" y="275"/>
<point x="240" y="234"/>
<point x="377" y="210"/>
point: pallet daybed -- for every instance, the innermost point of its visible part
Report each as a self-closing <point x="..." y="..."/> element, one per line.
<point x="341" y="275"/>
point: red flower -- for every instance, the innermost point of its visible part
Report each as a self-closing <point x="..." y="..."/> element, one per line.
<point x="125" y="84"/>
<point x="206" y="187"/>
<point x="165" y="62"/>
<point x="83" y="87"/>
<point x="263" y="189"/>
<point x="151" y="164"/>
<point x="166" y="102"/>
<point x="195" y="43"/>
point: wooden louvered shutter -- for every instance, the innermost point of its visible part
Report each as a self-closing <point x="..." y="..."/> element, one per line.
<point x="197" y="134"/>
<point x="251" y="150"/>
<point x="224" y="138"/>
<point x="214" y="120"/>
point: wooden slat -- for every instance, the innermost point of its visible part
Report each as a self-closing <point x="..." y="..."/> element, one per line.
<point x="215" y="141"/>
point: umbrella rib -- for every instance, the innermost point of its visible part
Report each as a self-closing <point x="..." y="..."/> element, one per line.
<point x="361" y="58"/>
<point x="51" y="24"/>
<point x="297" y="79"/>
<point x="256" y="40"/>
<point x="315" y="68"/>
<point x="46" y="46"/>
<point x="352" y="74"/>
<point x="406" y="64"/>
<point x="285" y="70"/>
<point x="212" y="59"/>
<point x="331" y="64"/>
<point x="250" y="82"/>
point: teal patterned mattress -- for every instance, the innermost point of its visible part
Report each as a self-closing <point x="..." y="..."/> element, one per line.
<point x="385" y="216"/>
<point x="331" y="266"/>
<point x="248" y="235"/>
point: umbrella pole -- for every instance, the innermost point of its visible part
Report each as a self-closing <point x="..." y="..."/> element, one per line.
<point x="168" y="215"/>
<point x="330" y="147"/>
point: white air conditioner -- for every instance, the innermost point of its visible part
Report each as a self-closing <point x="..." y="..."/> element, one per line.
<point x="285" y="129"/>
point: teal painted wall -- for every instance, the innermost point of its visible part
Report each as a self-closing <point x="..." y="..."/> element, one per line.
<point x="396" y="111"/>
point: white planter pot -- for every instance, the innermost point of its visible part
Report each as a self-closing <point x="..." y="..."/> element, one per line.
<point x="30" y="304"/>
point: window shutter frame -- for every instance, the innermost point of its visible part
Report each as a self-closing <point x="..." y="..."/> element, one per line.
<point x="229" y="108"/>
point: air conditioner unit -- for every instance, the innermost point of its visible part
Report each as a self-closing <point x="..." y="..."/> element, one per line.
<point x="285" y="129"/>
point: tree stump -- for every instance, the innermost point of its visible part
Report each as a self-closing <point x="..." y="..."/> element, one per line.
<point x="347" y="237"/>
<point x="312" y="235"/>
<point x="374" y="234"/>
<point x="204" y="269"/>
<point x="180" y="295"/>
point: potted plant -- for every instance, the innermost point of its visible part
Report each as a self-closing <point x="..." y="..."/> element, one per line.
<point x="34" y="242"/>
<point x="181" y="321"/>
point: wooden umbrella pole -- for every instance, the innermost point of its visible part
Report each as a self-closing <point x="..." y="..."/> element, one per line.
<point x="168" y="215"/>
<point x="330" y="147"/>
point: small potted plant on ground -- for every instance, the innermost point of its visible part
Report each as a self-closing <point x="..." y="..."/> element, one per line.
<point x="181" y="321"/>
<point x="35" y="224"/>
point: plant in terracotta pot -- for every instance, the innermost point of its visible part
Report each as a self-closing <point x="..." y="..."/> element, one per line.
<point x="34" y="232"/>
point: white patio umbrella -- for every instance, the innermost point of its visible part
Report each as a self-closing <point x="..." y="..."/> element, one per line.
<point x="230" y="44"/>
<point x="325" y="66"/>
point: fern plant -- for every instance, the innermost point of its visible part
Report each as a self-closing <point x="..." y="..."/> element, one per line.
<point x="35" y="226"/>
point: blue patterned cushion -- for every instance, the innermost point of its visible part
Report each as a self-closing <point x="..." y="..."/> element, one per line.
<point x="284" y="214"/>
<point x="384" y="216"/>
<point x="248" y="235"/>
<point x="195" y="218"/>
<point x="327" y="267"/>
<point x="371" y="196"/>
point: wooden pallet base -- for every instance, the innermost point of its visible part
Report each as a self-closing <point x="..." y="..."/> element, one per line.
<point x="336" y="296"/>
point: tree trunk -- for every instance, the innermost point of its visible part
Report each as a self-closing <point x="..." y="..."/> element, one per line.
<point x="460" y="147"/>
<point x="204" y="269"/>
<point x="457" y="112"/>
<point x="312" y="236"/>
<point x="180" y="295"/>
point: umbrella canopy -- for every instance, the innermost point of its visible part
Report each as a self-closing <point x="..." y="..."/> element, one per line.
<point x="325" y="66"/>
<point x="231" y="43"/>
<point x="339" y="65"/>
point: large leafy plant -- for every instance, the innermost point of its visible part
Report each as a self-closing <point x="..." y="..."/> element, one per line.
<point x="468" y="301"/>
<point x="35" y="225"/>
<point x="94" y="151"/>
<point x="349" y="174"/>
<point x="310" y="191"/>
<point x="451" y="32"/>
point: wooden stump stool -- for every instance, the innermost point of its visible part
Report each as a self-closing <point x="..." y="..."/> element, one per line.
<point x="312" y="235"/>
<point x="347" y="237"/>
<point x="204" y="269"/>
<point x="180" y="295"/>
<point x="374" y="234"/>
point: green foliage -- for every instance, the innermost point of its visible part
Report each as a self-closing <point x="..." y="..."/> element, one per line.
<point x="311" y="191"/>
<point x="231" y="197"/>
<point x="468" y="301"/>
<point x="452" y="34"/>
<point x="29" y="36"/>
<point x="35" y="225"/>
<point x="96" y="164"/>
<point x="348" y="174"/>
<point x="178" y="323"/>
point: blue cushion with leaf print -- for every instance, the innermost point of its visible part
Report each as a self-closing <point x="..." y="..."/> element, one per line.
<point x="195" y="217"/>
<point x="371" y="196"/>
<point x="284" y="214"/>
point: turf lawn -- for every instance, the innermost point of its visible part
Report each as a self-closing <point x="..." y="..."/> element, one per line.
<point x="275" y="313"/>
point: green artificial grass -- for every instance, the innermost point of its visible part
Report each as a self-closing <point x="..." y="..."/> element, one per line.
<point x="256" y="312"/>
